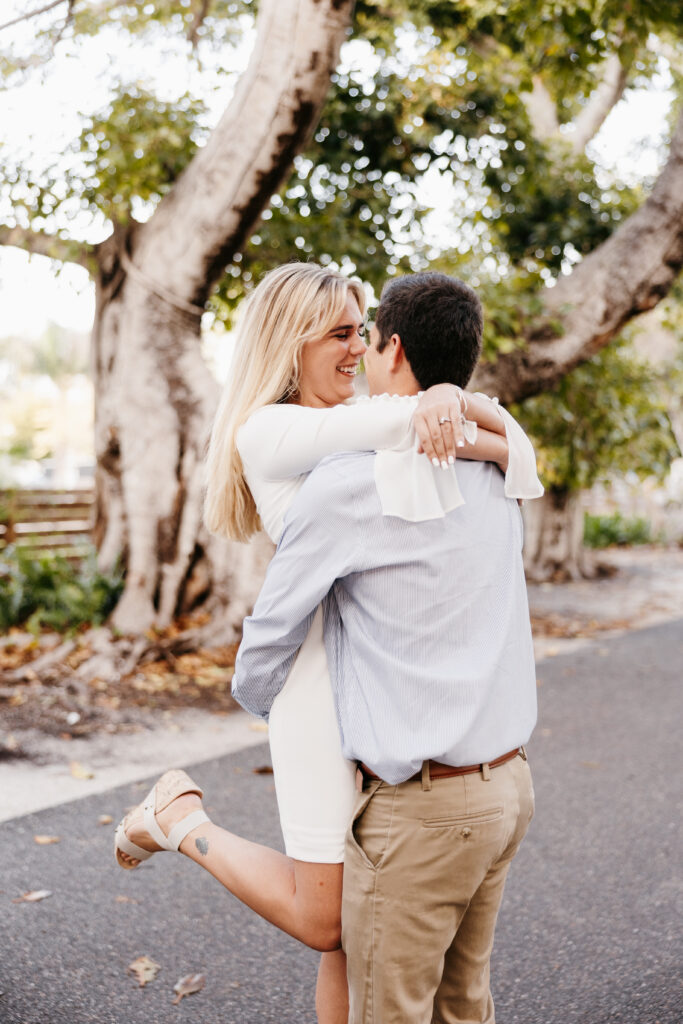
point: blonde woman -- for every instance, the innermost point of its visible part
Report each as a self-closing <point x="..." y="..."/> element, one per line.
<point x="299" y="346"/>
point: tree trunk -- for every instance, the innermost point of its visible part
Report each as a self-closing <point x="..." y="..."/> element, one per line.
<point x="553" y="538"/>
<point x="154" y="395"/>
<point x="154" y="404"/>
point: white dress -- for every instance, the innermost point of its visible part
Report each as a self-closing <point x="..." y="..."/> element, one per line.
<point x="279" y="445"/>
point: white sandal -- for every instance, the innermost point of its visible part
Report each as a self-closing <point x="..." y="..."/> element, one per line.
<point x="170" y="786"/>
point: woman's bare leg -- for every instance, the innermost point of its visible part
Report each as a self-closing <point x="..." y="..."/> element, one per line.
<point x="301" y="898"/>
<point x="332" y="991"/>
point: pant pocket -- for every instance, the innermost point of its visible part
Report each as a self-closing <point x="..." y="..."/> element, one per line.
<point x="473" y="818"/>
<point x="368" y="833"/>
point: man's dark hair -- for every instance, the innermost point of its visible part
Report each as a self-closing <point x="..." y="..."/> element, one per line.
<point x="440" y="322"/>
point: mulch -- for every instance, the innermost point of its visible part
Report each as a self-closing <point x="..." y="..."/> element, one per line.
<point x="63" y="700"/>
<point x="66" y="699"/>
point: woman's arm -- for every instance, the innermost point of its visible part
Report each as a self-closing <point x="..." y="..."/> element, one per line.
<point x="490" y="446"/>
<point x="499" y="438"/>
<point x="521" y="476"/>
<point x="283" y="441"/>
<point x="443" y="411"/>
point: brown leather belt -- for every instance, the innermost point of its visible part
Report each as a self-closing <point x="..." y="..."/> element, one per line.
<point x="438" y="770"/>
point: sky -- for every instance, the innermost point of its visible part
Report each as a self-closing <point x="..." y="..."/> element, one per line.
<point x="42" y="117"/>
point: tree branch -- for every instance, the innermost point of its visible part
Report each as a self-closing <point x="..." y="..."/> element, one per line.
<point x="215" y="204"/>
<point x="93" y="11"/>
<point x="672" y="54"/>
<point x="603" y="98"/>
<point x="43" y="244"/>
<point x="33" y="14"/>
<point x="198" y="21"/>
<point x="542" y="111"/>
<point x="628" y="274"/>
<point x="65" y="24"/>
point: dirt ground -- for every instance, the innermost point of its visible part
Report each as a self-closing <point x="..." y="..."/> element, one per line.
<point x="90" y="735"/>
<point x="640" y="587"/>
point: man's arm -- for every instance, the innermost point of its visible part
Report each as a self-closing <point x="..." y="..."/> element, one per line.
<point x="320" y="543"/>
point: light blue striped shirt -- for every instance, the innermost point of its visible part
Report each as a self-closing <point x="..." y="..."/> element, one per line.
<point x="426" y="623"/>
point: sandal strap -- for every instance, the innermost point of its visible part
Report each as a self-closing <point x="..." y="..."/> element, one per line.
<point x="151" y="824"/>
<point x="176" y="783"/>
<point x="127" y="846"/>
<point x="179" y="831"/>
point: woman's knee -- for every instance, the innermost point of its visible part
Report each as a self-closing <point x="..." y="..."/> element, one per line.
<point x="319" y="889"/>
<point x="321" y="925"/>
<point x="328" y="939"/>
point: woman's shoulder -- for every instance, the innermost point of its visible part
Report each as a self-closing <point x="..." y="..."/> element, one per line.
<point x="261" y="422"/>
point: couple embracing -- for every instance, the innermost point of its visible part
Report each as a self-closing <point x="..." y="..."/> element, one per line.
<point x="389" y="649"/>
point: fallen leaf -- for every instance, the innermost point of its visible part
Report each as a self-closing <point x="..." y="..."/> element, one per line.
<point x="264" y="769"/>
<point x="125" y="899"/>
<point x="79" y="771"/>
<point x="144" y="969"/>
<point x="33" y="896"/>
<point x="105" y="819"/>
<point x="591" y="764"/>
<point x="188" y="985"/>
<point x="46" y="840"/>
<point x="235" y="984"/>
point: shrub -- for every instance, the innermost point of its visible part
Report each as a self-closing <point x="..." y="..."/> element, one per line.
<point x="48" y="591"/>
<point x="604" y="531"/>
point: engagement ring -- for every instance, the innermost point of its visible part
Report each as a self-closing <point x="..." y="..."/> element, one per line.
<point x="444" y="419"/>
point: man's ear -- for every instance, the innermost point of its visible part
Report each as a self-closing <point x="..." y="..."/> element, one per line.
<point x="397" y="355"/>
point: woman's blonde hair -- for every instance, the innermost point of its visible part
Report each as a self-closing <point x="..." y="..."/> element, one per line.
<point x="293" y="304"/>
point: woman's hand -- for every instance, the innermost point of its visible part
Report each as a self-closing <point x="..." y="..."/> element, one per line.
<point x="439" y="423"/>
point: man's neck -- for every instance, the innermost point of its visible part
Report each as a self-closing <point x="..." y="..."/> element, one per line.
<point x="400" y="384"/>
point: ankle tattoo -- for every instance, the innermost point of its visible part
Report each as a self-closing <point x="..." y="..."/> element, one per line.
<point x="202" y="845"/>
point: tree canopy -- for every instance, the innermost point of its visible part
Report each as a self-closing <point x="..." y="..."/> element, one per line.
<point x="497" y="98"/>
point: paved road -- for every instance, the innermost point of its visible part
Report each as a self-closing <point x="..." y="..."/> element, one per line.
<point x="589" y="930"/>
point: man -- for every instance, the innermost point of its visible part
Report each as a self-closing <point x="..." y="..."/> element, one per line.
<point x="430" y="653"/>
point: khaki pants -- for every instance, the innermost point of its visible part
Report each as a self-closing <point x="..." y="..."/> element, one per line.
<point x="424" y="870"/>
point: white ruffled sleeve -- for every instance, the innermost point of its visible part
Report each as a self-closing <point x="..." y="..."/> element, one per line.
<point x="410" y="488"/>
<point x="279" y="442"/>
<point x="521" y="477"/>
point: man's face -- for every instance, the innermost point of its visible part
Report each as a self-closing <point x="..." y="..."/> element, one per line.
<point x="377" y="365"/>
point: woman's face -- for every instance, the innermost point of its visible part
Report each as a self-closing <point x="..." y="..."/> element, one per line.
<point x="329" y="364"/>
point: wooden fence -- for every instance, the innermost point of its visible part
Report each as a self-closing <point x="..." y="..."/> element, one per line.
<point x="47" y="521"/>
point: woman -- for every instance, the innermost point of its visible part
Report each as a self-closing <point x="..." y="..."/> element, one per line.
<point x="299" y="347"/>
